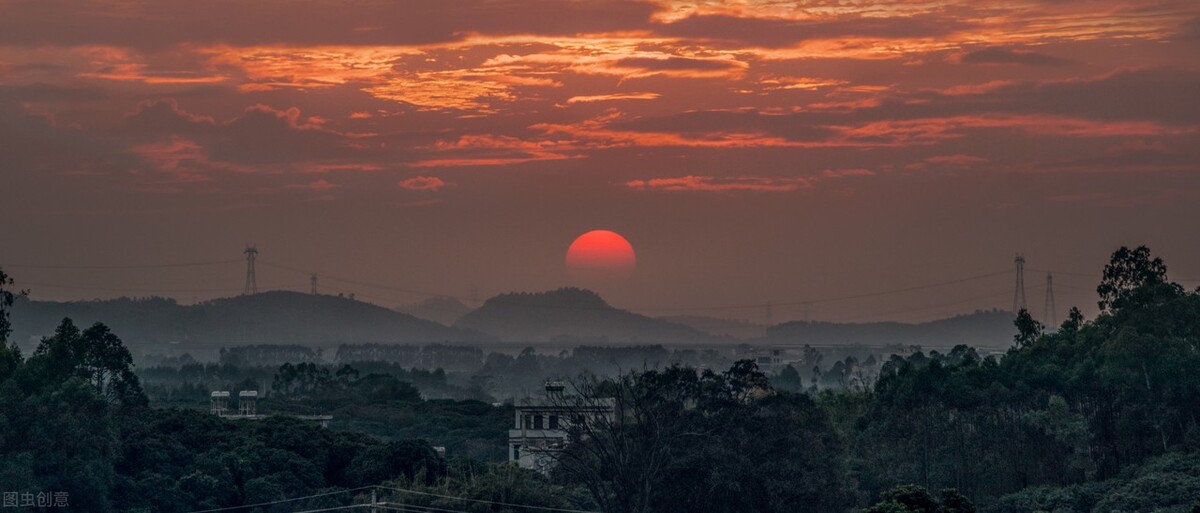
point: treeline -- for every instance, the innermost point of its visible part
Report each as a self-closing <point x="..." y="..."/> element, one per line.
<point x="446" y="356"/>
<point x="1086" y="403"/>
<point x="1092" y="415"/>
<point x="75" y="425"/>
<point x="192" y="382"/>
<point x="1096" y="415"/>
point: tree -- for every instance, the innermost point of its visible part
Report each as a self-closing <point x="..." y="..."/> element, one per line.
<point x="914" y="499"/>
<point x="1133" y="278"/>
<point x="789" y="379"/>
<point x="1074" y="322"/>
<point x="685" y="440"/>
<point x="10" y="355"/>
<point x="1028" y="330"/>
<point x="95" y="355"/>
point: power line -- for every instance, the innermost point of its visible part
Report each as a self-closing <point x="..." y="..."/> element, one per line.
<point x="413" y="508"/>
<point x="334" y="508"/>
<point x="360" y="283"/>
<point x="482" y="501"/>
<point x="929" y="307"/>
<point x="755" y="306"/>
<point x="118" y="289"/>
<point x="1100" y="275"/>
<point x="294" y="499"/>
<point x="834" y="299"/>
<point x="134" y="266"/>
<point x="390" y="505"/>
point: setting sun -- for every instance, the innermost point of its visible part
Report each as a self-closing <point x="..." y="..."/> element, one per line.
<point x="600" y="256"/>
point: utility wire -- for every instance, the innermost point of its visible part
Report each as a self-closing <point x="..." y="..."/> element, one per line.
<point x="135" y="266"/>
<point x="389" y="505"/>
<point x="413" y="508"/>
<point x="933" y="307"/>
<point x="693" y="308"/>
<point x="1100" y="275"/>
<point x="481" y="501"/>
<point x="326" y="494"/>
<point x="334" y="508"/>
<point x="119" y="289"/>
<point x="834" y="298"/>
<point x="668" y="309"/>
<point x="360" y="283"/>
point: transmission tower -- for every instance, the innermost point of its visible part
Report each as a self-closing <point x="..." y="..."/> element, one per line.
<point x="313" y="280"/>
<point x="770" y="317"/>
<point x="1049" y="316"/>
<point x="1019" y="290"/>
<point x="251" y="285"/>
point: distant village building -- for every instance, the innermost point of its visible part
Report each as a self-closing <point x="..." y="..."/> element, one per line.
<point x="541" y="425"/>
<point x="768" y="360"/>
<point x="248" y="408"/>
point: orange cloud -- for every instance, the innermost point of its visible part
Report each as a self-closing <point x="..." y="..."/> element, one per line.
<point x="612" y="97"/>
<point x="181" y="158"/>
<point x="957" y="159"/>
<point x="721" y="184"/>
<point x="843" y="173"/>
<point x="423" y="183"/>
<point x="321" y="185"/>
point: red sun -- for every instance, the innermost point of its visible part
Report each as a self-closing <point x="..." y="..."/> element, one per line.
<point x="600" y="256"/>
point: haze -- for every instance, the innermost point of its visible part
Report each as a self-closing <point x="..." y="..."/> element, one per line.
<point x="750" y="153"/>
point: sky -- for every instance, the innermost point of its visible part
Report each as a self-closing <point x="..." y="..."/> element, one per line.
<point x="752" y="152"/>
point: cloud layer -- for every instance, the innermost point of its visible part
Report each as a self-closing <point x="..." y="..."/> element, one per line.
<point x="527" y="109"/>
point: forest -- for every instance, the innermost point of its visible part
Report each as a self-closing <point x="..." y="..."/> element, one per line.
<point x="1096" y="414"/>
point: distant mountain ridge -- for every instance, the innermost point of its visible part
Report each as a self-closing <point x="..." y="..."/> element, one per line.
<point x="277" y="317"/>
<point x="989" y="329"/>
<point x="737" y="328"/>
<point x="439" y="309"/>
<point x="572" y="314"/>
<point x="569" y="316"/>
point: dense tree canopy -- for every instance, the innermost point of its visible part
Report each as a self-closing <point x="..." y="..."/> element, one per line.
<point x="684" y="440"/>
<point x="1091" y="415"/>
<point x="1078" y="405"/>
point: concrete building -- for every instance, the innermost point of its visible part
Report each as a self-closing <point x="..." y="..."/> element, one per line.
<point x="248" y="408"/>
<point x="541" y="425"/>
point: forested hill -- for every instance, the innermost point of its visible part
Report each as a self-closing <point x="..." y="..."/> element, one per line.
<point x="268" y="318"/>
<point x="572" y="315"/>
<point x="440" y="309"/>
<point x="984" y="329"/>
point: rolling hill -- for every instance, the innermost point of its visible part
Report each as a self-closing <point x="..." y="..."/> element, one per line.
<point x="572" y="315"/>
<point x="989" y="329"/>
<point x="268" y="318"/>
<point x="439" y="309"/>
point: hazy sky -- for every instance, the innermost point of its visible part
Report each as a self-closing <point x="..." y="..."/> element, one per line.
<point x="750" y="152"/>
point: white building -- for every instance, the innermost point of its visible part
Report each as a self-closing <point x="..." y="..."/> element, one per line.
<point x="541" y="425"/>
<point x="248" y="408"/>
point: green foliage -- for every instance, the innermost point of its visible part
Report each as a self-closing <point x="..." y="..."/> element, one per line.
<point x="1134" y="279"/>
<point x="788" y="379"/>
<point x="1059" y="410"/>
<point x="1028" y="330"/>
<point x="472" y="487"/>
<point x="1100" y="415"/>
<point x="1164" y="484"/>
<point x="10" y="355"/>
<point x="914" y="499"/>
<point x="73" y="418"/>
<point x="689" y="441"/>
<point x="57" y="414"/>
<point x="95" y="355"/>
